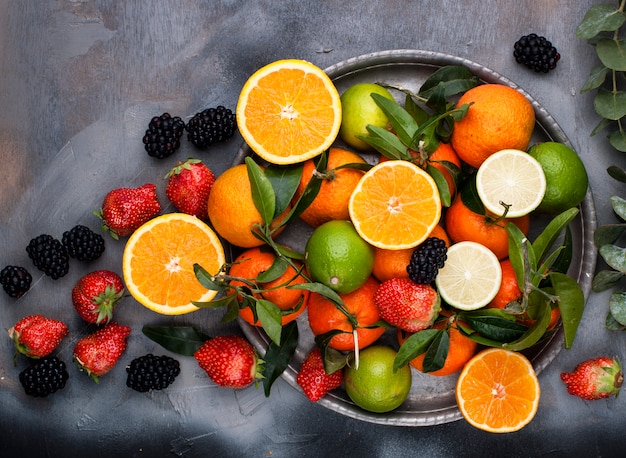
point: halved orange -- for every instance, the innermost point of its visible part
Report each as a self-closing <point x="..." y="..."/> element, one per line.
<point x="395" y="205"/>
<point x="498" y="391"/>
<point x="158" y="263"/>
<point x="289" y="111"/>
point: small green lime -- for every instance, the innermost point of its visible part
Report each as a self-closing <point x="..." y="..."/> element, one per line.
<point x="566" y="177"/>
<point x="358" y="109"/>
<point x="337" y="256"/>
<point x="374" y="386"/>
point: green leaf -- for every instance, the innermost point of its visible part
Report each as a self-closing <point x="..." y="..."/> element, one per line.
<point x="610" y="105"/>
<point x="612" y="53"/>
<point x="618" y="140"/>
<point x="206" y="279"/>
<point x="612" y="324"/>
<point x="535" y="332"/>
<point x="437" y="99"/>
<point x="385" y="142"/>
<point x="619" y="206"/>
<point x="564" y="254"/>
<point x="401" y="121"/>
<point x="284" y="181"/>
<point x="183" y="340"/>
<point x="312" y="188"/>
<point x="277" y="357"/>
<point x="546" y="239"/>
<point x="442" y="185"/>
<point x="419" y="114"/>
<point x="614" y="256"/>
<point x="455" y="79"/>
<point x="437" y="352"/>
<point x="608" y="234"/>
<point x="599" y="18"/>
<point x="470" y="197"/>
<point x="333" y="359"/>
<point x="416" y="344"/>
<point x="521" y="254"/>
<point x="278" y="267"/>
<point x="571" y="304"/>
<point x="605" y="279"/>
<point x="617" y="173"/>
<point x="271" y="318"/>
<point x="497" y="328"/>
<point x="262" y="192"/>
<point x="603" y="124"/>
<point x="596" y="78"/>
<point x="617" y="307"/>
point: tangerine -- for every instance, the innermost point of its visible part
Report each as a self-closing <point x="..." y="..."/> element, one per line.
<point x="462" y="224"/>
<point x="509" y="288"/>
<point x="498" y="118"/>
<point x="324" y="316"/>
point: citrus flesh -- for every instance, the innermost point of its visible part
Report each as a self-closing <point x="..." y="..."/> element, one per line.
<point x="566" y="176"/>
<point x="470" y="277"/>
<point x="395" y="205"/>
<point x="498" y="391"/>
<point x="158" y="263"/>
<point x="510" y="177"/>
<point x="358" y="110"/>
<point x="289" y="111"/>
<point x="336" y="256"/>
<point x="374" y="386"/>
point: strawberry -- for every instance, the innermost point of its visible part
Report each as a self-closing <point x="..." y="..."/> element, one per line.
<point x="407" y="305"/>
<point x="229" y="361"/>
<point x="125" y="209"/>
<point x="313" y="378"/>
<point x="36" y="336"/>
<point x="98" y="353"/>
<point x="188" y="187"/>
<point x="96" y="295"/>
<point x="596" y="378"/>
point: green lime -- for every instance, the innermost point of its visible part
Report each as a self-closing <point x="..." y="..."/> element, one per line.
<point x="358" y="109"/>
<point x="566" y="177"/>
<point x="374" y="386"/>
<point x="337" y="256"/>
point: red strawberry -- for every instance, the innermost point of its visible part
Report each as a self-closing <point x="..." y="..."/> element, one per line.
<point x="313" y="378"/>
<point x="596" y="378"/>
<point x="189" y="186"/>
<point x="96" y="295"/>
<point x="36" y="336"/>
<point x="125" y="209"/>
<point x="98" y="352"/>
<point x="229" y="361"/>
<point x="407" y="305"/>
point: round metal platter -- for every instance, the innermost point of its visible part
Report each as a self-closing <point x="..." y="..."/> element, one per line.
<point x="431" y="400"/>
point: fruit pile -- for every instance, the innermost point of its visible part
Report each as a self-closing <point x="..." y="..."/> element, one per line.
<point x="418" y="257"/>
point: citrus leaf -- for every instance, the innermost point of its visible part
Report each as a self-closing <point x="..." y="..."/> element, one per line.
<point x="535" y="332"/>
<point x="617" y="306"/>
<point x="610" y="105"/>
<point x="385" y="142"/>
<point x="571" y="304"/>
<point x="207" y="280"/>
<point x="284" y="181"/>
<point x="437" y="99"/>
<point x="262" y="192"/>
<point x="401" y="120"/>
<point x="437" y="352"/>
<point x="312" y="188"/>
<point x="183" y="340"/>
<point x="419" y="114"/>
<point x="455" y="78"/>
<point x="278" y="267"/>
<point x="608" y="234"/>
<point x="496" y="328"/>
<point x="277" y="357"/>
<point x="618" y="141"/>
<point x="442" y="185"/>
<point x="416" y="344"/>
<point x="612" y="53"/>
<point x="333" y="360"/>
<point x="605" y="279"/>
<point x="599" y="18"/>
<point x="596" y="78"/>
<point x="470" y="197"/>
<point x="270" y="317"/>
<point x="565" y="254"/>
<point x="550" y="233"/>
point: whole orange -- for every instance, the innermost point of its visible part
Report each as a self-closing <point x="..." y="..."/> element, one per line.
<point x="461" y="350"/>
<point x="462" y="224"/>
<point x="337" y="185"/>
<point x="324" y="317"/>
<point x="255" y="261"/>
<point x="232" y="211"/>
<point x="390" y="264"/>
<point x="498" y="118"/>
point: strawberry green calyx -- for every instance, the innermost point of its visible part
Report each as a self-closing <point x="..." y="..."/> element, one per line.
<point x="182" y="165"/>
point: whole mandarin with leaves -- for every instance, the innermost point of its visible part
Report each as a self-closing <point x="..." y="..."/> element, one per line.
<point x="462" y="224"/>
<point x="232" y="211"/>
<point x="253" y="262"/>
<point x="499" y="117"/>
<point x="331" y="202"/>
<point x="324" y="316"/>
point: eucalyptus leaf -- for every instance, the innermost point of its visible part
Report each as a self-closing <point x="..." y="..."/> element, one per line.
<point x="618" y="140"/>
<point x="619" y="206"/>
<point x="262" y="192"/>
<point x="617" y="173"/>
<point x="599" y="18"/>
<point x="602" y="124"/>
<point x="401" y="121"/>
<point x="571" y="304"/>
<point x="612" y="324"/>
<point x="183" y="340"/>
<point x="611" y="53"/>
<point x="284" y="181"/>
<point x="270" y="317"/>
<point x="596" y="78"/>
<point x="617" y="306"/>
<point x="610" y="105"/>
<point x="416" y="344"/>
<point x="277" y="357"/>
<point x="614" y="256"/>
<point x="605" y="279"/>
<point x="608" y="234"/>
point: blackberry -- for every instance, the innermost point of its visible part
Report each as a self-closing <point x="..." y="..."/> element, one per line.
<point x="15" y="280"/>
<point x="211" y="126"/>
<point x="536" y="53"/>
<point x="151" y="372"/>
<point x="44" y="377"/>
<point x="82" y="243"/>
<point x="162" y="138"/>
<point x="49" y="255"/>
<point x="426" y="260"/>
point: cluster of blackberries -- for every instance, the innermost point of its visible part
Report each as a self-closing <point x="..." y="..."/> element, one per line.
<point x="536" y="53"/>
<point x="213" y="125"/>
<point x="426" y="260"/>
<point x="150" y="372"/>
<point x="44" y="376"/>
<point x="83" y="244"/>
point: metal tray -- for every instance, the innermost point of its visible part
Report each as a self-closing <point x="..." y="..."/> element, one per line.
<point x="431" y="400"/>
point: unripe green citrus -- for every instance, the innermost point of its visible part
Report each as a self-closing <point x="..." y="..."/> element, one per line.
<point x="374" y="386"/>
<point x="338" y="257"/>
<point x="566" y="177"/>
<point x="358" y="109"/>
